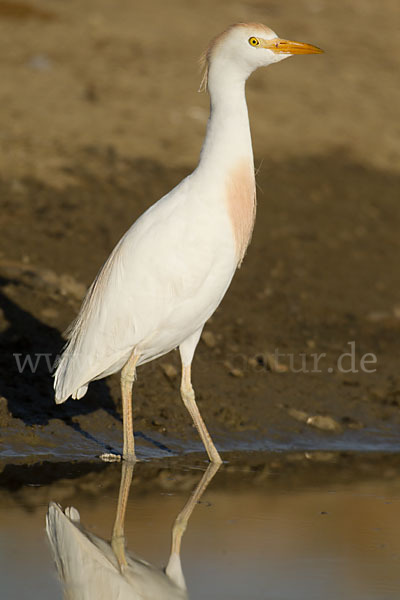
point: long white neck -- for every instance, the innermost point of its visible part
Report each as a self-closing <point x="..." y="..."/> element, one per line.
<point x="226" y="162"/>
<point x="228" y="137"/>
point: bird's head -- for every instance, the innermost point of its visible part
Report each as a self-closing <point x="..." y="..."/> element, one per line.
<point x="243" y="47"/>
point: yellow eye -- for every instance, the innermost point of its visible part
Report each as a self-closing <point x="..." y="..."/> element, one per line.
<point x="253" y="41"/>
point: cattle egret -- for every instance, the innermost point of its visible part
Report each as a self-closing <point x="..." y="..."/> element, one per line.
<point x="92" y="568"/>
<point x="169" y="272"/>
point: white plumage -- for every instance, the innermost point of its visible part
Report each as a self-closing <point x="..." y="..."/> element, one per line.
<point x="92" y="569"/>
<point x="170" y="271"/>
<point x="161" y="283"/>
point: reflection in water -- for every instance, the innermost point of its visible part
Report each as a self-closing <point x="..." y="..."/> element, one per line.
<point x="91" y="568"/>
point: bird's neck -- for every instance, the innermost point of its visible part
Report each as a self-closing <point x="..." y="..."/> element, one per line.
<point x="226" y="161"/>
<point x="228" y="137"/>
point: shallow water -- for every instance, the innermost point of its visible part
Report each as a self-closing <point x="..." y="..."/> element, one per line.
<point x="272" y="526"/>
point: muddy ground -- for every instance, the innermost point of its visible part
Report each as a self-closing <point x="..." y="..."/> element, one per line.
<point x="100" y="117"/>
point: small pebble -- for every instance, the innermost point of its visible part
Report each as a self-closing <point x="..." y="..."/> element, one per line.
<point x="325" y="423"/>
<point x="169" y="370"/>
<point x="234" y="371"/>
<point x="253" y="362"/>
<point x="299" y="415"/>
<point x="70" y="286"/>
<point x="379" y="392"/>
<point x="209" y="339"/>
<point x="108" y="457"/>
<point x="274" y="365"/>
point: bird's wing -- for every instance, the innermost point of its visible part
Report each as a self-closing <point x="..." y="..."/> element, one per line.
<point x="89" y="569"/>
<point x="146" y="286"/>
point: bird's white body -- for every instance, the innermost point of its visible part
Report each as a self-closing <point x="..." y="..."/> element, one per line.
<point x="162" y="282"/>
<point x="170" y="271"/>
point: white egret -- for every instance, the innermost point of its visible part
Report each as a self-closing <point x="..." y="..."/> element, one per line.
<point x="169" y="272"/>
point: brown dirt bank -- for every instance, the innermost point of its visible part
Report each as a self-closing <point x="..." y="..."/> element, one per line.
<point x="321" y="272"/>
<point x="99" y="120"/>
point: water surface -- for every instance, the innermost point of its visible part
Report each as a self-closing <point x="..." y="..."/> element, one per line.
<point x="297" y="526"/>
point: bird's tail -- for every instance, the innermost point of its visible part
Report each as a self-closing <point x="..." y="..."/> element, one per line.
<point x="65" y="377"/>
<point x="80" y="363"/>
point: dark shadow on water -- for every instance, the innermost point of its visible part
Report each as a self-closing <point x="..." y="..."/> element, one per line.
<point x="15" y="477"/>
<point x="272" y="470"/>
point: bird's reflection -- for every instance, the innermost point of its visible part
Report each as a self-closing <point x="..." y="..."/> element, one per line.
<point x="91" y="568"/>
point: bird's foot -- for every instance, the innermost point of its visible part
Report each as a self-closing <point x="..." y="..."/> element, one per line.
<point x="215" y="458"/>
<point x="129" y="458"/>
<point x="110" y="457"/>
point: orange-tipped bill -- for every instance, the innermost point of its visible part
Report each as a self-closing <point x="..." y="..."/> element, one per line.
<point x="288" y="47"/>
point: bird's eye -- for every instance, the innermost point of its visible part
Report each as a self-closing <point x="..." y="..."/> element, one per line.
<point x="253" y="41"/>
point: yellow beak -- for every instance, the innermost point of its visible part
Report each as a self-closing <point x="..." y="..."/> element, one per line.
<point x="287" y="47"/>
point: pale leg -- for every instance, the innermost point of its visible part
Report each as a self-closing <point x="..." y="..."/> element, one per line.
<point x="118" y="536"/>
<point x="186" y="350"/>
<point x="174" y="568"/>
<point x="189" y="401"/>
<point x="127" y="379"/>
<point x="182" y="519"/>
